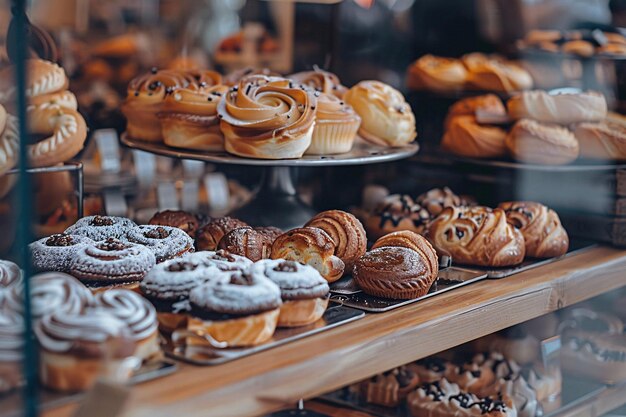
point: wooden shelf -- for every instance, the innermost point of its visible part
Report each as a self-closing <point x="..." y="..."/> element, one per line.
<point x="277" y="378"/>
<point x="606" y="401"/>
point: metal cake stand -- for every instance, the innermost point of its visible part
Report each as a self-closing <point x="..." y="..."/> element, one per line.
<point x="276" y="202"/>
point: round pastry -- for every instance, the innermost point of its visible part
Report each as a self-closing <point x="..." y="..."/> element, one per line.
<point x="488" y="104"/>
<point x="164" y="241"/>
<point x="578" y="47"/>
<point x="209" y="235"/>
<point x="395" y="272"/>
<point x="476" y="236"/>
<point x="11" y="348"/>
<point x="605" y="140"/>
<point x="390" y="388"/>
<point x="312" y="246"/>
<point x="267" y="118"/>
<point x="187" y="222"/>
<point x="247" y="242"/>
<point x="9" y="143"/>
<point x="44" y="77"/>
<point x="544" y="236"/>
<point x="222" y="260"/>
<point x="347" y="234"/>
<point x="410" y="240"/>
<point x="99" y="228"/>
<point x="432" y="369"/>
<point x="55" y="253"/>
<point x="323" y="81"/>
<point x="112" y="263"/>
<point x="465" y="137"/>
<point x="396" y="212"/>
<point x="386" y="118"/>
<point x="436" y="73"/>
<point x="599" y="357"/>
<point x="240" y="312"/>
<point x="303" y="290"/>
<point x="10" y="275"/>
<point x="435" y="200"/>
<point x="567" y="108"/>
<point x="336" y="125"/>
<point x="138" y="314"/>
<point x="535" y="143"/>
<point x="494" y="74"/>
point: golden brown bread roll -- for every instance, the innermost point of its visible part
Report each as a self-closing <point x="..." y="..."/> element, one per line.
<point x="209" y="235"/>
<point x="604" y="140"/>
<point x="413" y="241"/>
<point x="567" y="108"/>
<point x="436" y="73"/>
<point x="476" y="236"/>
<point x="544" y="236"/>
<point x="465" y="137"/>
<point x="489" y="104"/>
<point x="535" y="143"/>
<point x="578" y="47"/>
<point x="495" y="74"/>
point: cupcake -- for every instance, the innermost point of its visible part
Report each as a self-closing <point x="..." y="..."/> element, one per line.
<point x="323" y="81"/>
<point x="336" y="125"/>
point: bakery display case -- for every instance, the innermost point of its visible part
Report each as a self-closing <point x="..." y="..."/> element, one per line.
<point x="317" y="208"/>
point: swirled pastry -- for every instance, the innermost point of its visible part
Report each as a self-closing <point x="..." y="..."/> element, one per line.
<point x="436" y="73"/>
<point x="386" y="118"/>
<point x="336" y="125"/>
<point x="267" y="118"/>
<point x="320" y="80"/>
<point x="476" y="236"/>
<point x="44" y="78"/>
<point x="465" y="137"/>
<point x="535" y="143"/>
<point x="588" y="106"/>
<point x="435" y="200"/>
<point x="544" y="236"/>
<point x="233" y="78"/>
<point x="396" y="212"/>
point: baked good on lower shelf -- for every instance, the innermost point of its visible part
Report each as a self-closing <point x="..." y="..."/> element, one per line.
<point x="605" y="140"/>
<point x="432" y="369"/>
<point x="465" y="137"/>
<point x="598" y="357"/>
<point x="11" y="348"/>
<point x="544" y="236"/>
<point x="386" y="117"/>
<point x="513" y="343"/>
<point x="389" y="388"/>
<point x="209" y="235"/>
<point x="248" y="242"/>
<point x="312" y="246"/>
<point x="99" y="228"/>
<point x="183" y="220"/>
<point x="164" y="241"/>
<point x="336" y="125"/>
<point x="347" y="234"/>
<point x="304" y="292"/>
<point x="472" y="377"/>
<point x="436" y="73"/>
<point x="535" y="143"/>
<point x="395" y="272"/>
<point x="396" y="212"/>
<point x="476" y="236"/>
<point x="564" y="109"/>
<point x="54" y="253"/>
<point x="488" y="104"/>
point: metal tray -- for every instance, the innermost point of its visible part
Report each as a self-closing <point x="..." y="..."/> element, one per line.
<point x="11" y="405"/>
<point x="335" y="315"/>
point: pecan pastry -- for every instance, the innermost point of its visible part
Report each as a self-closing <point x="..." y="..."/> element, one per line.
<point x="99" y="228"/>
<point x="165" y="242"/>
<point x="209" y="235"/>
<point x="54" y="253"/>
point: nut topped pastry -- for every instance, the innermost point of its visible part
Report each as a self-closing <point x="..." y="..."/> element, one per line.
<point x="165" y="242"/>
<point x="99" y="228"/>
<point x="54" y="253"/>
<point x="187" y="222"/>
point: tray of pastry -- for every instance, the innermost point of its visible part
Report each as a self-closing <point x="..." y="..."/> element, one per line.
<point x="12" y="405"/>
<point x="335" y="315"/>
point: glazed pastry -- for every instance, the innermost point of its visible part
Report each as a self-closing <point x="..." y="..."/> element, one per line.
<point x="476" y="236"/>
<point x="11" y="348"/>
<point x="488" y="105"/>
<point x="323" y="81"/>
<point x="267" y="118"/>
<point x="77" y="348"/>
<point x="465" y="137"/>
<point x="209" y="235"/>
<point x="187" y="222"/>
<point x="396" y="272"/>
<point x="535" y="143"/>
<point x="247" y="242"/>
<point x="165" y="242"/>
<point x="396" y="212"/>
<point x="139" y="315"/>
<point x="390" y="388"/>
<point x="435" y="200"/>
<point x="312" y="246"/>
<point x="347" y="234"/>
<point x="436" y="73"/>
<point x="544" y="236"/>
<point x="303" y="290"/>
<point x="386" y="118"/>
<point x="599" y="357"/>
<point x="112" y="262"/>
<point x="55" y="253"/>
<point x="588" y="106"/>
<point x="413" y="241"/>
<point x="432" y="369"/>
<point x="99" y="228"/>
<point x="604" y="140"/>
<point x="336" y="125"/>
<point x="240" y="312"/>
<point x="578" y="47"/>
<point x="494" y="74"/>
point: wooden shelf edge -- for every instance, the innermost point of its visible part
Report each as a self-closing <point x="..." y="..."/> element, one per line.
<point x="608" y="400"/>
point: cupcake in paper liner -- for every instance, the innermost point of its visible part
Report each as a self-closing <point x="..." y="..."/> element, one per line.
<point x="336" y="124"/>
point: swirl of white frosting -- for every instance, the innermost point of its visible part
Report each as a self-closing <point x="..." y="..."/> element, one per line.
<point x="10" y="274"/>
<point x="11" y="336"/>
<point x="132" y="309"/>
<point x="101" y="227"/>
<point x="296" y="281"/>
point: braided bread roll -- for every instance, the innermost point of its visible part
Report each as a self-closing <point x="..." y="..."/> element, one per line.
<point x="476" y="236"/>
<point x="312" y="246"/>
<point x="543" y="233"/>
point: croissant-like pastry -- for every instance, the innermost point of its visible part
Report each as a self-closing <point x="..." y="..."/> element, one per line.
<point x="436" y="73"/>
<point x="312" y="246"/>
<point x="476" y="236"/>
<point x="543" y="233"/>
<point x="209" y="235"/>
<point x="247" y="242"/>
<point x="465" y="137"/>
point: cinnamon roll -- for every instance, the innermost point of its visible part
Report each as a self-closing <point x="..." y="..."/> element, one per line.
<point x="99" y="228"/>
<point x="588" y="106"/>
<point x="535" y="143"/>
<point x="187" y="222"/>
<point x="436" y="73"/>
<point x="165" y="242"/>
<point x="267" y="118"/>
<point x="55" y="253"/>
<point x="476" y="236"/>
<point x="11" y="348"/>
<point x="336" y="125"/>
<point x="465" y="137"/>
<point x="323" y="81"/>
<point x="396" y="212"/>
<point x="209" y="235"/>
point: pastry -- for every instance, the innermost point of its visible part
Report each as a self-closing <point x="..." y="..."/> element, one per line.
<point x="390" y="388"/>
<point x="612" y="49"/>
<point x="476" y="236"/>
<point x="10" y="275"/>
<point x="488" y="105"/>
<point x="44" y="78"/>
<point x="164" y="241"/>
<point x="336" y="125"/>
<point x="410" y="240"/>
<point x="312" y="246"/>
<point x="232" y="78"/>
<point x="436" y="73"/>
<point x="270" y="232"/>
<point x="303" y="290"/>
<point x="248" y="242"/>
<point x="187" y="222"/>
<point x="347" y="234"/>
<point x="544" y="236"/>
<point x="386" y="118"/>
<point x="578" y="47"/>
<point x="465" y="137"/>
<point x="9" y="143"/>
<point x="222" y="260"/>
<point x="54" y="253"/>
<point x="242" y="311"/>
<point x="599" y="357"/>
<point x="472" y="377"/>
<point x="396" y="212"/>
<point x="11" y="348"/>
<point x="614" y="37"/>
<point x="140" y="317"/>
<point x="546" y="384"/>
<point x="537" y="36"/>
<point x="535" y="143"/>
<point x="323" y="81"/>
<point x="267" y="118"/>
<point x="435" y="200"/>
<point x="78" y="348"/>
<point x="494" y="74"/>
<point x="605" y="140"/>
<point x="209" y="235"/>
<point x="395" y="272"/>
<point x="112" y="263"/>
<point x="567" y="108"/>
<point x="591" y="321"/>
<point x="432" y="369"/>
<point x="99" y="228"/>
